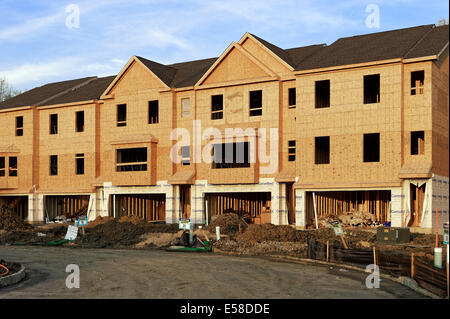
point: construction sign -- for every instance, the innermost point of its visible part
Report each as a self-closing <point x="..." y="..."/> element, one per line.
<point x="184" y="223"/>
<point x="337" y="228"/>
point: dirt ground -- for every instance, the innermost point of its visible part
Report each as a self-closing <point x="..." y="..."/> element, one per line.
<point x="161" y="274"/>
<point x="252" y="239"/>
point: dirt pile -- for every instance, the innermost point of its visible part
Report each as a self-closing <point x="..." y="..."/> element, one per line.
<point x="132" y="219"/>
<point x="9" y="221"/>
<point x="98" y="221"/>
<point x="158" y="240"/>
<point x="297" y="249"/>
<point x="229" y="224"/>
<point x="269" y="232"/>
<point x="111" y="233"/>
<point x="128" y="231"/>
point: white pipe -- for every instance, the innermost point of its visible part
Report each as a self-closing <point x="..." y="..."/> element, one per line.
<point x="315" y="211"/>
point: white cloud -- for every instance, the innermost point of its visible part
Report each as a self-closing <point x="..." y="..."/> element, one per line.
<point x="37" y="72"/>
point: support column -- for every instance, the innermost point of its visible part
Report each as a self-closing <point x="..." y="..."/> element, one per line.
<point x="36" y="212"/>
<point x="398" y="208"/>
<point x="283" y="213"/>
<point x="275" y="204"/>
<point x="300" y="212"/>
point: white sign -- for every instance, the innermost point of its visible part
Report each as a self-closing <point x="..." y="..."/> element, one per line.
<point x="184" y="224"/>
<point x="72" y="233"/>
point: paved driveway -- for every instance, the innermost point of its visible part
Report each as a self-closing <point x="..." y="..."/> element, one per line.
<point x="109" y="273"/>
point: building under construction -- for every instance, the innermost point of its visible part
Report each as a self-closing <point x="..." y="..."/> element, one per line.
<point x="357" y="125"/>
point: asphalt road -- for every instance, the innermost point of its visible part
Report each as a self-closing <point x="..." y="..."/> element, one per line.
<point x="109" y="273"/>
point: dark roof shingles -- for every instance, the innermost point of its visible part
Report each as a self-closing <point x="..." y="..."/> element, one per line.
<point x="91" y="91"/>
<point x="366" y="48"/>
<point x="431" y="44"/>
<point x="39" y="94"/>
<point x="409" y="43"/>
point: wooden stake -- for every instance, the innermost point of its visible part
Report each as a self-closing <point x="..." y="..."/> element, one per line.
<point x="343" y="241"/>
<point x="437" y="231"/>
<point x="412" y="266"/>
<point x="328" y="254"/>
<point x="374" y="256"/>
<point x="447" y="274"/>
<point x="315" y="210"/>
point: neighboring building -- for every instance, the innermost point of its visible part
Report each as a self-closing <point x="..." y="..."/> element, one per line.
<point x="361" y="124"/>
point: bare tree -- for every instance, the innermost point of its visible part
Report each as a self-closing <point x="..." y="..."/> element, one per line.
<point x="6" y="91"/>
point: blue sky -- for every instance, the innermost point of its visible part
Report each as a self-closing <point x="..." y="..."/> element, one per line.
<point x="37" y="47"/>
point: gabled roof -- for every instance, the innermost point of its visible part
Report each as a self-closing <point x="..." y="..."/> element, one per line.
<point x="43" y="93"/>
<point x="415" y="42"/>
<point x="188" y="73"/>
<point x="163" y="72"/>
<point x="238" y="47"/>
<point x="282" y="54"/>
<point x="366" y="48"/>
<point x="432" y="44"/>
<point x="90" y="91"/>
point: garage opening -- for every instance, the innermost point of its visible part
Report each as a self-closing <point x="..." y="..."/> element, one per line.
<point x="330" y="204"/>
<point x="70" y="206"/>
<point x="253" y="207"/>
<point x="149" y="207"/>
<point x="17" y="204"/>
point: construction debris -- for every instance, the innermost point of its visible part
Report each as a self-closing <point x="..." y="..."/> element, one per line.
<point x="350" y="219"/>
<point x="9" y="221"/>
<point x="228" y="223"/>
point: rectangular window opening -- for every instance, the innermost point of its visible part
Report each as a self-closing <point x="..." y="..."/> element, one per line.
<point x="185" y="155"/>
<point x="372" y="89"/>
<point x="185" y="107"/>
<point x="131" y="159"/>
<point x="322" y="94"/>
<point x="291" y="151"/>
<point x="255" y="103"/>
<point x="418" y="143"/>
<point x="2" y="166"/>
<point x="231" y="155"/>
<point x="53" y="165"/>
<point x="79" y="162"/>
<point x="292" y="97"/>
<point x="53" y="123"/>
<point x="372" y="147"/>
<point x="19" y="126"/>
<point x="79" y="121"/>
<point x="122" y="115"/>
<point x="153" y="112"/>
<point x="12" y="166"/>
<point x="216" y="107"/>
<point x="322" y="150"/>
<point x="417" y="82"/>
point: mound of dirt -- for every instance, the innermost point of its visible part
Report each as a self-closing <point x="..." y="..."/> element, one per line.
<point x="158" y="240"/>
<point x="98" y="221"/>
<point x="269" y="232"/>
<point x="296" y="249"/>
<point x="132" y="219"/>
<point x="428" y="240"/>
<point x="111" y="233"/>
<point x="9" y="221"/>
<point x="229" y="224"/>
